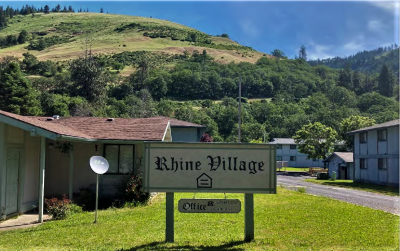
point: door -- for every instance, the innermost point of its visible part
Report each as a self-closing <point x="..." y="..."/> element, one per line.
<point x="12" y="170"/>
<point x="343" y="173"/>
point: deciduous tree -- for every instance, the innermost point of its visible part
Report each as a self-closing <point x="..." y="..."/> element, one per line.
<point x="316" y="140"/>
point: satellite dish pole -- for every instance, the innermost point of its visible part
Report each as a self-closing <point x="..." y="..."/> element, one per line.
<point x="240" y="104"/>
<point x="99" y="165"/>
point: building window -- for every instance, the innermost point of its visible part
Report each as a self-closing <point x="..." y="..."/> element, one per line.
<point x="382" y="163"/>
<point x="120" y="158"/>
<point x="363" y="137"/>
<point x="363" y="163"/>
<point x="278" y="146"/>
<point x="292" y="158"/>
<point x="278" y="158"/>
<point x="382" y="135"/>
<point x="314" y="159"/>
<point x="292" y="146"/>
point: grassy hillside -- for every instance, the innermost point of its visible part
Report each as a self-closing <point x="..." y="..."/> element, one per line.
<point x="117" y="33"/>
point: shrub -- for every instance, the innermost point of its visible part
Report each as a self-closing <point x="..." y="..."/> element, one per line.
<point x="130" y="190"/>
<point x="86" y="199"/>
<point x="58" y="208"/>
<point x="322" y="176"/>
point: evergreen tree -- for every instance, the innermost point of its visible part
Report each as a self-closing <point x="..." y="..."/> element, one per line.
<point x="46" y="9"/>
<point x="3" y="20"/>
<point x="22" y="37"/>
<point x="345" y="78"/>
<point x="16" y="93"/>
<point x="303" y="53"/>
<point x="386" y="81"/>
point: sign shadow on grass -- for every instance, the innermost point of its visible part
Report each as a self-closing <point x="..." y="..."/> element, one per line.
<point x="161" y="246"/>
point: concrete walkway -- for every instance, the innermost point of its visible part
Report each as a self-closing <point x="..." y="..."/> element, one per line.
<point x="23" y="221"/>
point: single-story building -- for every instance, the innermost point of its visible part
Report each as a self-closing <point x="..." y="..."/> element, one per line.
<point x="342" y="164"/>
<point x="376" y="154"/>
<point x="42" y="156"/>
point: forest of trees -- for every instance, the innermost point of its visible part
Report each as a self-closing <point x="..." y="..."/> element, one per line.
<point x="365" y="61"/>
<point x="291" y="92"/>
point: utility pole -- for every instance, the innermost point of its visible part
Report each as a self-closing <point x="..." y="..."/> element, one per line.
<point x="240" y="104"/>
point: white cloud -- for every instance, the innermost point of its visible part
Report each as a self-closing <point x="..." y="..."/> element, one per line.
<point x="315" y="51"/>
<point x="249" y="28"/>
<point x="388" y="6"/>
<point x="375" y="25"/>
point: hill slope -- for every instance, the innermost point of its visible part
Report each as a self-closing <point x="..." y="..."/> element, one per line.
<point x="111" y="33"/>
<point x="365" y="61"/>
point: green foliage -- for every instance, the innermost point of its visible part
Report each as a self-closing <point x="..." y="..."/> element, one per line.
<point x="386" y="82"/>
<point x="16" y="92"/>
<point x="130" y="190"/>
<point x="353" y="123"/>
<point x="316" y="140"/>
<point x="59" y="209"/>
<point x="45" y="42"/>
<point x="278" y="53"/>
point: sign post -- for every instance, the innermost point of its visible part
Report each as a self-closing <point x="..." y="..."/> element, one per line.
<point x="99" y="165"/>
<point x="209" y="168"/>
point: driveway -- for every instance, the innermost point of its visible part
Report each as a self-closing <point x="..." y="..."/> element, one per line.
<point x="367" y="199"/>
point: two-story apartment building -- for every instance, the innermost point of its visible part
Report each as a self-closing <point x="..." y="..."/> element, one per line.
<point x="376" y="154"/>
<point x="286" y="150"/>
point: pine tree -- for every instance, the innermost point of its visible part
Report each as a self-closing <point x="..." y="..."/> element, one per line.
<point x="3" y="20"/>
<point x="46" y="9"/>
<point x="303" y="53"/>
<point x="345" y="78"/>
<point x="386" y="81"/>
<point x="16" y="92"/>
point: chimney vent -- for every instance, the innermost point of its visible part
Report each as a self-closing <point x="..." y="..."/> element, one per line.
<point x="110" y="119"/>
<point x="50" y="119"/>
<point x="56" y="116"/>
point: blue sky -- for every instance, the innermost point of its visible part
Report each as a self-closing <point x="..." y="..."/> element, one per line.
<point x="326" y="28"/>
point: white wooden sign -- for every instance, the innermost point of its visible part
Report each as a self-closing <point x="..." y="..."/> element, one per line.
<point x="209" y="206"/>
<point x="209" y="167"/>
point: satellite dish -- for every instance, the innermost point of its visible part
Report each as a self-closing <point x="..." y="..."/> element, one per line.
<point x="99" y="164"/>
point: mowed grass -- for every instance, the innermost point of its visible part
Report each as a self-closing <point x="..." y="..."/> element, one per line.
<point x="288" y="220"/>
<point x="388" y="190"/>
<point x="293" y="169"/>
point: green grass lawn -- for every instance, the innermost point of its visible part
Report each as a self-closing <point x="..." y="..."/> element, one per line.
<point x="288" y="220"/>
<point x="294" y="169"/>
<point x="393" y="191"/>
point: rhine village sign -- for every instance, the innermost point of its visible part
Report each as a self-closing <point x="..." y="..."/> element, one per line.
<point x="209" y="168"/>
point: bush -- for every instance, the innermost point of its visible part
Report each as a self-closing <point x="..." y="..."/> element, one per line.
<point x="130" y="191"/>
<point x="322" y="176"/>
<point x="58" y="208"/>
<point x="86" y="199"/>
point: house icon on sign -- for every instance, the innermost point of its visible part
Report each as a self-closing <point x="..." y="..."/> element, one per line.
<point x="204" y="181"/>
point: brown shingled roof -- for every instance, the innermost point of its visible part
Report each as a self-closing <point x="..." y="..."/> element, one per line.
<point x="94" y="128"/>
<point x="391" y="123"/>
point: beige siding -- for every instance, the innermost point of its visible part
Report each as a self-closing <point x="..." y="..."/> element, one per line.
<point x="56" y="171"/>
<point x="32" y="158"/>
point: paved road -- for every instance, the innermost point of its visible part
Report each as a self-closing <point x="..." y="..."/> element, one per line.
<point x="377" y="201"/>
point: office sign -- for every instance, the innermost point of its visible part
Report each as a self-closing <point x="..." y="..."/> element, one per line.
<point x="209" y="167"/>
<point x="209" y="206"/>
